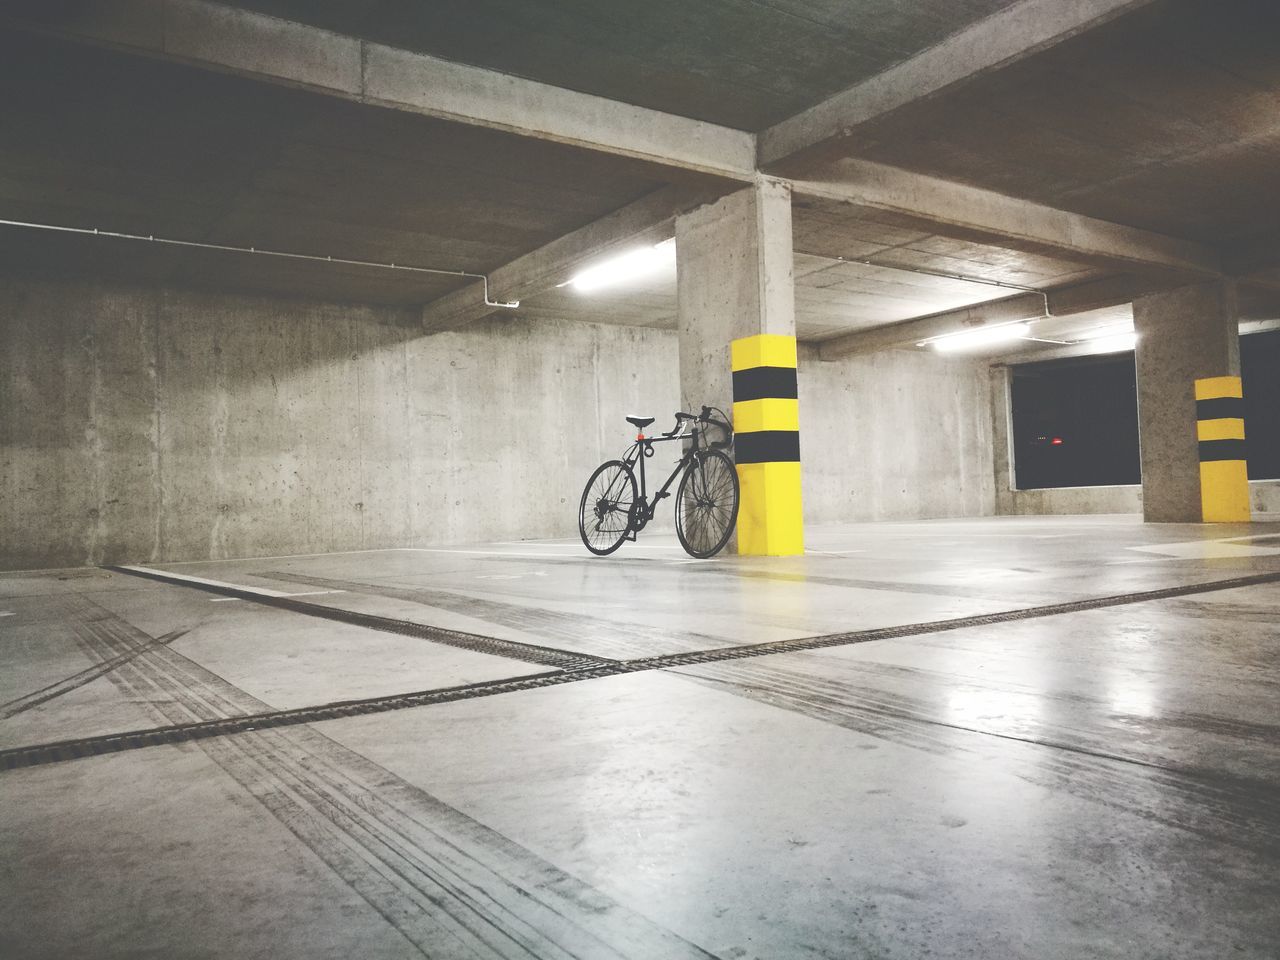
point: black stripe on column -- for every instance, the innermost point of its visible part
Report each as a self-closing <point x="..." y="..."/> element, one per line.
<point x="1212" y="450"/>
<point x="759" y="383"/>
<point x="1220" y="408"/>
<point x="767" y="446"/>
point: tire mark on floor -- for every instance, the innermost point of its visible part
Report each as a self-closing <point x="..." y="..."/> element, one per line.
<point x="1224" y="806"/>
<point x="451" y="886"/>
<point x="64" y="686"/>
<point x="921" y="725"/>
<point x="476" y="643"/>
<point x="90" y="746"/>
<point x="1228" y="727"/>
<point x="1231" y="612"/>
<point x="607" y="637"/>
<point x="712" y="569"/>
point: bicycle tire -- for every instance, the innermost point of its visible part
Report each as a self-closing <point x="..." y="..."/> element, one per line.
<point x="610" y="501"/>
<point x="705" y="518"/>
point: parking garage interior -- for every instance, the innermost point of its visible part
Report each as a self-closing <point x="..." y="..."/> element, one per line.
<point x="315" y="318"/>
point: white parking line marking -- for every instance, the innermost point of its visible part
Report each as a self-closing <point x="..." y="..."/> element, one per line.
<point x="5" y="613"/>
<point x="310" y="593"/>
<point x="1117" y="563"/>
<point x="1222" y="549"/>
<point x="492" y="553"/>
<point x="284" y="556"/>
<point x="224" y="585"/>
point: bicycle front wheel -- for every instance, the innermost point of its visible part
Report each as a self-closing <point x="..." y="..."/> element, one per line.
<point x="604" y="515"/>
<point x="707" y="504"/>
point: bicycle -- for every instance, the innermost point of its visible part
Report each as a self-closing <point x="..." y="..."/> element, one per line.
<point x="615" y="509"/>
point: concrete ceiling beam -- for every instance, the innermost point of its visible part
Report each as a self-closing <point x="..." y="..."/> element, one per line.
<point x="231" y="40"/>
<point x="651" y="219"/>
<point x="1081" y="298"/>
<point x="972" y="213"/>
<point x="1002" y="39"/>
<point x="909" y="332"/>
<point x="1087" y="349"/>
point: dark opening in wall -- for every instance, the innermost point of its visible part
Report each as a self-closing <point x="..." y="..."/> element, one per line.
<point x="1260" y="370"/>
<point x="1075" y="422"/>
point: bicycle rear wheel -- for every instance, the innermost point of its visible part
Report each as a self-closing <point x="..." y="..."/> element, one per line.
<point x="604" y="515"/>
<point x="707" y="504"/>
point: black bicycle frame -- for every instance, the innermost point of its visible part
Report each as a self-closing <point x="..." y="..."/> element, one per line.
<point x="642" y="450"/>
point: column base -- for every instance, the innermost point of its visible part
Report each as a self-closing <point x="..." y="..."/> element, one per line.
<point x="770" y="512"/>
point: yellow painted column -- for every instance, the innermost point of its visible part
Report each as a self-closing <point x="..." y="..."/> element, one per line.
<point x="766" y="441"/>
<point x="1224" y="471"/>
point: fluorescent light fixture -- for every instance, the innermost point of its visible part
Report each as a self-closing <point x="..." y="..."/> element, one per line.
<point x="1113" y="343"/>
<point x="631" y="265"/>
<point x="1110" y="330"/>
<point x="984" y="336"/>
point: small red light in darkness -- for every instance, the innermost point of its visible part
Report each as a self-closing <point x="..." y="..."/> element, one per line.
<point x="1056" y="441"/>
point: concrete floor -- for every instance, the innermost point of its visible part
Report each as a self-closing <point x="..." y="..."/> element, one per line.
<point x="1100" y="783"/>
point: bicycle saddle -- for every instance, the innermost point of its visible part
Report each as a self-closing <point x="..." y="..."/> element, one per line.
<point x="640" y="422"/>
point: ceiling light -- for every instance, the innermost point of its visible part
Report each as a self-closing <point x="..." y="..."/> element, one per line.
<point x="981" y="337"/>
<point x="627" y="266"/>
<point x="1110" y="330"/>
<point x="1113" y="343"/>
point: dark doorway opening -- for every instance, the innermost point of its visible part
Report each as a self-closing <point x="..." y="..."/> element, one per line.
<point x="1075" y="422"/>
<point x="1260" y="371"/>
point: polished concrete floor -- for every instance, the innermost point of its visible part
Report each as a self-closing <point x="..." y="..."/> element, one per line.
<point x="1091" y="783"/>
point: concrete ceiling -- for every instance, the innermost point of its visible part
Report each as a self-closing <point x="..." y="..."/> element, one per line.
<point x="1165" y="119"/>
<point x="908" y="272"/>
<point x="895" y="270"/>
<point x="832" y="298"/>
<point x="739" y="63"/>
<point x="838" y="230"/>
<point x="104" y="140"/>
<point x="127" y="144"/>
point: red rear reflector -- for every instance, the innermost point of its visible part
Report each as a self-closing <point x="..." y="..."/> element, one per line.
<point x="639" y="436"/>
<point x="1056" y="441"/>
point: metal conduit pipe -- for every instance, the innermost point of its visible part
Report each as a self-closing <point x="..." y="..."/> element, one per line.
<point x="228" y="248"/>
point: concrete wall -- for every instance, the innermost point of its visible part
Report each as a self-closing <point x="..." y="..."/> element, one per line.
<point x="895" y="435"/>
<point x="154" y="424"/>
<point x="1264" y="495"/>
<point x="1069" y="501"/>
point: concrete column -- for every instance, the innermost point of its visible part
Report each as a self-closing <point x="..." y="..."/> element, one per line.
<point x="735" y="266"/>
<point x="735" y="271"/>
<point x="1184" y="335"/>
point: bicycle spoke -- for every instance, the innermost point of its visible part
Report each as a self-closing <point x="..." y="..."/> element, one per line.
<point x="708" y="504"/>
<point x="606" y="508"/>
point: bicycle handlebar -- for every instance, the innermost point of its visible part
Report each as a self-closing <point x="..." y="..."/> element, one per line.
<point x="702" y="417"/>
<point x="680" y="419"/>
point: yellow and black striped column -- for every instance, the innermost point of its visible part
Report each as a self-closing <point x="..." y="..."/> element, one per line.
<point x="766" y="441"/>
<point x="1224" y="471"/>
